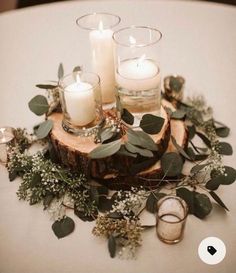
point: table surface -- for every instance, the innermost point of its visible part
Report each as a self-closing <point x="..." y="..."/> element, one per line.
<point x="199" y="42"/>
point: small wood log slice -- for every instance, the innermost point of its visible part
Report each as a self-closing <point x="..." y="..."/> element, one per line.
<point x="117" y="171"/>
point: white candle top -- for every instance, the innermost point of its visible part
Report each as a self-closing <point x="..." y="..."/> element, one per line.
<point x="138" y="69"/>
<point x="80" y="102"/>
<point x="82" y="87"/>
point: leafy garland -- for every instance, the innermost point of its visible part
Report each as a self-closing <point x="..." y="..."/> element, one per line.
<point x="46" y="181"/>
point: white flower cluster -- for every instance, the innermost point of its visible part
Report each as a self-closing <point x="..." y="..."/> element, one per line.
<point x="129" y="203"/>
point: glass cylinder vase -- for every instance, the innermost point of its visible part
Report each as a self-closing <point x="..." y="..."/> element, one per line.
<point x="81" y="101"/>
<point x="137" y="64"/>
<point x="100" y="30"/>
<point x="171" y="216"/>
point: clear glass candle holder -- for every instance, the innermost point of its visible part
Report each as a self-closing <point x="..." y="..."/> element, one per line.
<point x="137" y="64"/>
<point x="99" y="27"/>
<point x="7" y="137"/>
<point x="81" y="101"/>
<point x="171" y="217"/>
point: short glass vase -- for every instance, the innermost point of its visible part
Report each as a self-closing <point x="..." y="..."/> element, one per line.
<point x="171" y="217"/>
<point x="81" y="102"/>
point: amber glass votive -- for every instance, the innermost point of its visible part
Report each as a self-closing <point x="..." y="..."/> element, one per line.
<point x="171" y="216"/>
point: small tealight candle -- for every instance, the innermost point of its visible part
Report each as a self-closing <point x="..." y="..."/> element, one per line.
<point x="6" y="137"/>
<point x="138" y="74"/>
<point x="172" y="213"/>
<point x="80" y="102"/>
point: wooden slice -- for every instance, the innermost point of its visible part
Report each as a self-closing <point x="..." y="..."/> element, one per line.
<point x="117" y="171"/>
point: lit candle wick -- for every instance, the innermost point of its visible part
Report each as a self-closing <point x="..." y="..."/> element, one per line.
<point x="132" y="40"/>
<point x="78" y="80"/>
<point x="140" y="60"/>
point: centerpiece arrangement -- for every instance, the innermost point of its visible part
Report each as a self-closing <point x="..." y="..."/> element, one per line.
<point x="113" y="145"/>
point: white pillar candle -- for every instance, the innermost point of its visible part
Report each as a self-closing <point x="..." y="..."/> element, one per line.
<point x="103" y="61"/>
<point x="80" y="103"/>
<point x="138" y="74"/>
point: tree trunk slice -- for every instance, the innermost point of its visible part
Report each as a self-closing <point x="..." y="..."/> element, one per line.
<point x="117" y="171"/>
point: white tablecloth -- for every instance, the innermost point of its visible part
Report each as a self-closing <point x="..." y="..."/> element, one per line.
<point x="199" y="42"/>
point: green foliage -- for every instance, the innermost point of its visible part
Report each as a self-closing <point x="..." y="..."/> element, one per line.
<point x="112" y="246"/>
<point x="44" y="129"/>
<point x="105" y="150"/>
<point x="199" y="204"/>
<point x="39" y="105"/>
<point x="171" y="164"/>
<point x="141" y="139"/>
<point x="63" y="227"/>
<point x="151" y="124"/>
<point x="60" y="73"/>
<point x="127" y="117"/>
<point x="153" y="198"/>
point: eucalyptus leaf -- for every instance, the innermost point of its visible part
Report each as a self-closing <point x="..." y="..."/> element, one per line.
<point x="46" y="86"/>
<point x="123" y="151"/>
<point x="227" y="178"/>
<point x="218" y="200"/>
<point x="60" y="73"/>
<point x="178" y="114"/>
<point x="140" y="166"/>
<point x="188" y="197"/>
<point x="230" y="176"/>
<point x="199" y="204"/>
<point x="105" y="150"/>
<point x="63" y="227"/>
<point x="12" y="175"/>
<point x="39" y="105"/>
<point x="214" y="183"/>
<point x="171" y="164"/>
<point x="200" y="157"/>
<point x="179" y="148"/>
<point x="153" y="198"/>
<point x="191" y="131"/>
<point x="44" y="129"/>
<point x="112" y="246"/>
<point x="106" y="134"/>
<point x="225" y="148"/>
<point x="127" y="117"/>
<point x="204" y="139"/>
<point x="136" y="150"/>
<point x="151" y="124"/>
<point x="104" y="204"/>
<point x="222" y="131"/>
<point x="202" y="205"/>
<point x="140" y="138"/>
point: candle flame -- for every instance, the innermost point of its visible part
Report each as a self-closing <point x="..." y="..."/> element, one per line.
<point x="141" y="59"/>
<point x="78" y="80"/>
<point x="2" y="130"/>
<point x="132" y="40"/>
<point x="100" y="26"/>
